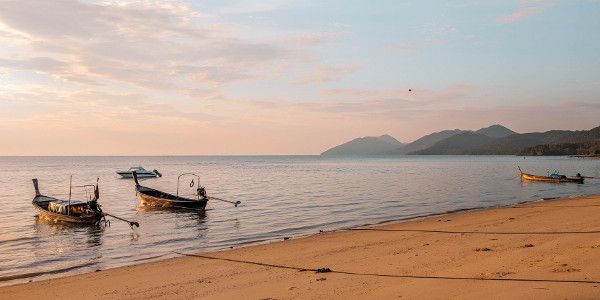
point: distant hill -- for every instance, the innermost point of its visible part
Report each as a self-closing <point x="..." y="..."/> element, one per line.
<point x="584" y="149"/>
<point x="366" y="146"/>
<point x="459" y="144"/>
<point x="581" y="136"/>
<point x="464" y="142"/>
<point x="493" y="140"/>
<point x="496" y="131"/>
<point x="585" y="142"/>
<point x="512" y="144"/>
<point x="426" y="141"/>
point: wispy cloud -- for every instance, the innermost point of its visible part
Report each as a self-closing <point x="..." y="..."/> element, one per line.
<point x="349" y="92"/>
<point x="324" y="74"/>
<point x="155" y="45"/>
<point x="527" y="8"/>
<point x="526" y="118"/>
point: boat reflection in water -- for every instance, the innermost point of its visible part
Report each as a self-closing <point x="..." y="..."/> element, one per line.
<point x="72" y="233"/>
<point x="179" y="217"/>
<point x="60" y="248"/>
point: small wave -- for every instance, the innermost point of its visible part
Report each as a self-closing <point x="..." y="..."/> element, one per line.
<point x="19" y="240"/>
<point x="151" y="257"/>
<point x="40" y="273"/>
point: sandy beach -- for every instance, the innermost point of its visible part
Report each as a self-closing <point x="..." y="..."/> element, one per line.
<point x="541" y="250"/>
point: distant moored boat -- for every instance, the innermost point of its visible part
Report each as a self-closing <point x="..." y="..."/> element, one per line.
<point x="141" y="173"/>
<point x="550" y="178"/>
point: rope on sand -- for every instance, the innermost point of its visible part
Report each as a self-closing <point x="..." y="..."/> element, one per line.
<point x="476" y="232"/>
<point x="328" y="270"/>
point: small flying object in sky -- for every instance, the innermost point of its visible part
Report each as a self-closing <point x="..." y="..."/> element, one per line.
<point x="410" y="90"/>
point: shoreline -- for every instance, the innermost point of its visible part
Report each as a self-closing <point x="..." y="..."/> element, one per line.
<point x="332" y="263"/>
<point x="32" y="276"/>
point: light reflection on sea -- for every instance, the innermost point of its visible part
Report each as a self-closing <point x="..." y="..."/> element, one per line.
<point x="282" y="196"/>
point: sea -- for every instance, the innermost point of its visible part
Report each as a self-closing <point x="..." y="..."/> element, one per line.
<point x="281" y="197"/>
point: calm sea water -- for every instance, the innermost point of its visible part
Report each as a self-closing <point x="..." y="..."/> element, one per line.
<point x="282" y="196"/>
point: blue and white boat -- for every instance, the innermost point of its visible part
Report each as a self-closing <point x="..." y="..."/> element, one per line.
<point x="140" y="171"/>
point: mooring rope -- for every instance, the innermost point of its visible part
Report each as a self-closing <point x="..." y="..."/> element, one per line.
<point x="476" y="232"/>
<point x="328" y="270"/>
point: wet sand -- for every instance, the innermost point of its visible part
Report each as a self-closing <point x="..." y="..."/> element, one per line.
<point x="542" y="250"/>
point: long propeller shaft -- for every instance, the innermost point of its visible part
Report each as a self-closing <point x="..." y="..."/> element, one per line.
<point x="232" y="202"/>
<point x="131" y="223"/>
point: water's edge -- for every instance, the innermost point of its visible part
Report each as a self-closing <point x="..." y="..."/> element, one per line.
<point x="19" y="278"/>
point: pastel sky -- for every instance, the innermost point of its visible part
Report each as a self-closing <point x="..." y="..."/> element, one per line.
<point x="287" y="77"/>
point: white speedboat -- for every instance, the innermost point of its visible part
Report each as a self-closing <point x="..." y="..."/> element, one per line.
<point x="140" y="171"/>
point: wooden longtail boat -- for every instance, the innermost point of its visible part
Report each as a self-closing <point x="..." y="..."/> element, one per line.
<point x="551" y="178"/>
<point x="73" y="211"/>
<point x="152" y="197"/>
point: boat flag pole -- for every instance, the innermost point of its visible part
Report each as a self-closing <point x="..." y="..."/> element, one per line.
<point x="70" y="187"/>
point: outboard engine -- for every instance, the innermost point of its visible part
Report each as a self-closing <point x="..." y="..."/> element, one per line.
<point x="94" y="206"/>
<point x="201" y="192"/>
<point x="157" y="173"/>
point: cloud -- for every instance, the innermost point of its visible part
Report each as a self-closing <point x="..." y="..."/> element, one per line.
<point x="527" y="8"/>
<point x="522" y="118"/>
<point x="144" y="44"/>
<point x="42" y="64"/>
<point x="349" y="92"/>
<point x="364" y="102"/>
<point x="55" y="106"/>
<point x="324" y="74"/>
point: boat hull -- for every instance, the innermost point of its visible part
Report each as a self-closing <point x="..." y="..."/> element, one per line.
<point x="156" y="198"/>
<point x="529" y="177"/>
<point x="126" y="174"/>
<point x="41" y="205"/>
<point x="141" y="173"/>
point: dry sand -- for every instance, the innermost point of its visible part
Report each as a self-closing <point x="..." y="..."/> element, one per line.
<point x="543" y="250"/>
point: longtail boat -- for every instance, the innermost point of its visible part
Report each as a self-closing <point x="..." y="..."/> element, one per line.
<point x="152" y="197"/>
<point x="550" y="178"/>
<point x="74" y="211"/>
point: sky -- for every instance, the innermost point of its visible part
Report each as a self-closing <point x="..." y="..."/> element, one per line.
<point x="287" y="77"/>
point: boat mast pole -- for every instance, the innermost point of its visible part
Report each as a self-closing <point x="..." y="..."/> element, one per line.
<point x="70" y="187"/>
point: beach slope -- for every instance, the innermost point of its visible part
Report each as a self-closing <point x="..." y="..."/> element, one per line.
<point x="541" y="250"/>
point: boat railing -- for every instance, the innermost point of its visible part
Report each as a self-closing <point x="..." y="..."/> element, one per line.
<point x="191" y="183"/>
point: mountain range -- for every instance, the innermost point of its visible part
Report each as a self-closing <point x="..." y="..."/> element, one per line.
<point x="493" y="140"/>
<point x="370" y="145"/>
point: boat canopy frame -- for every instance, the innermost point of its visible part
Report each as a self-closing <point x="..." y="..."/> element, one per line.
<point x="191" y="183"/>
